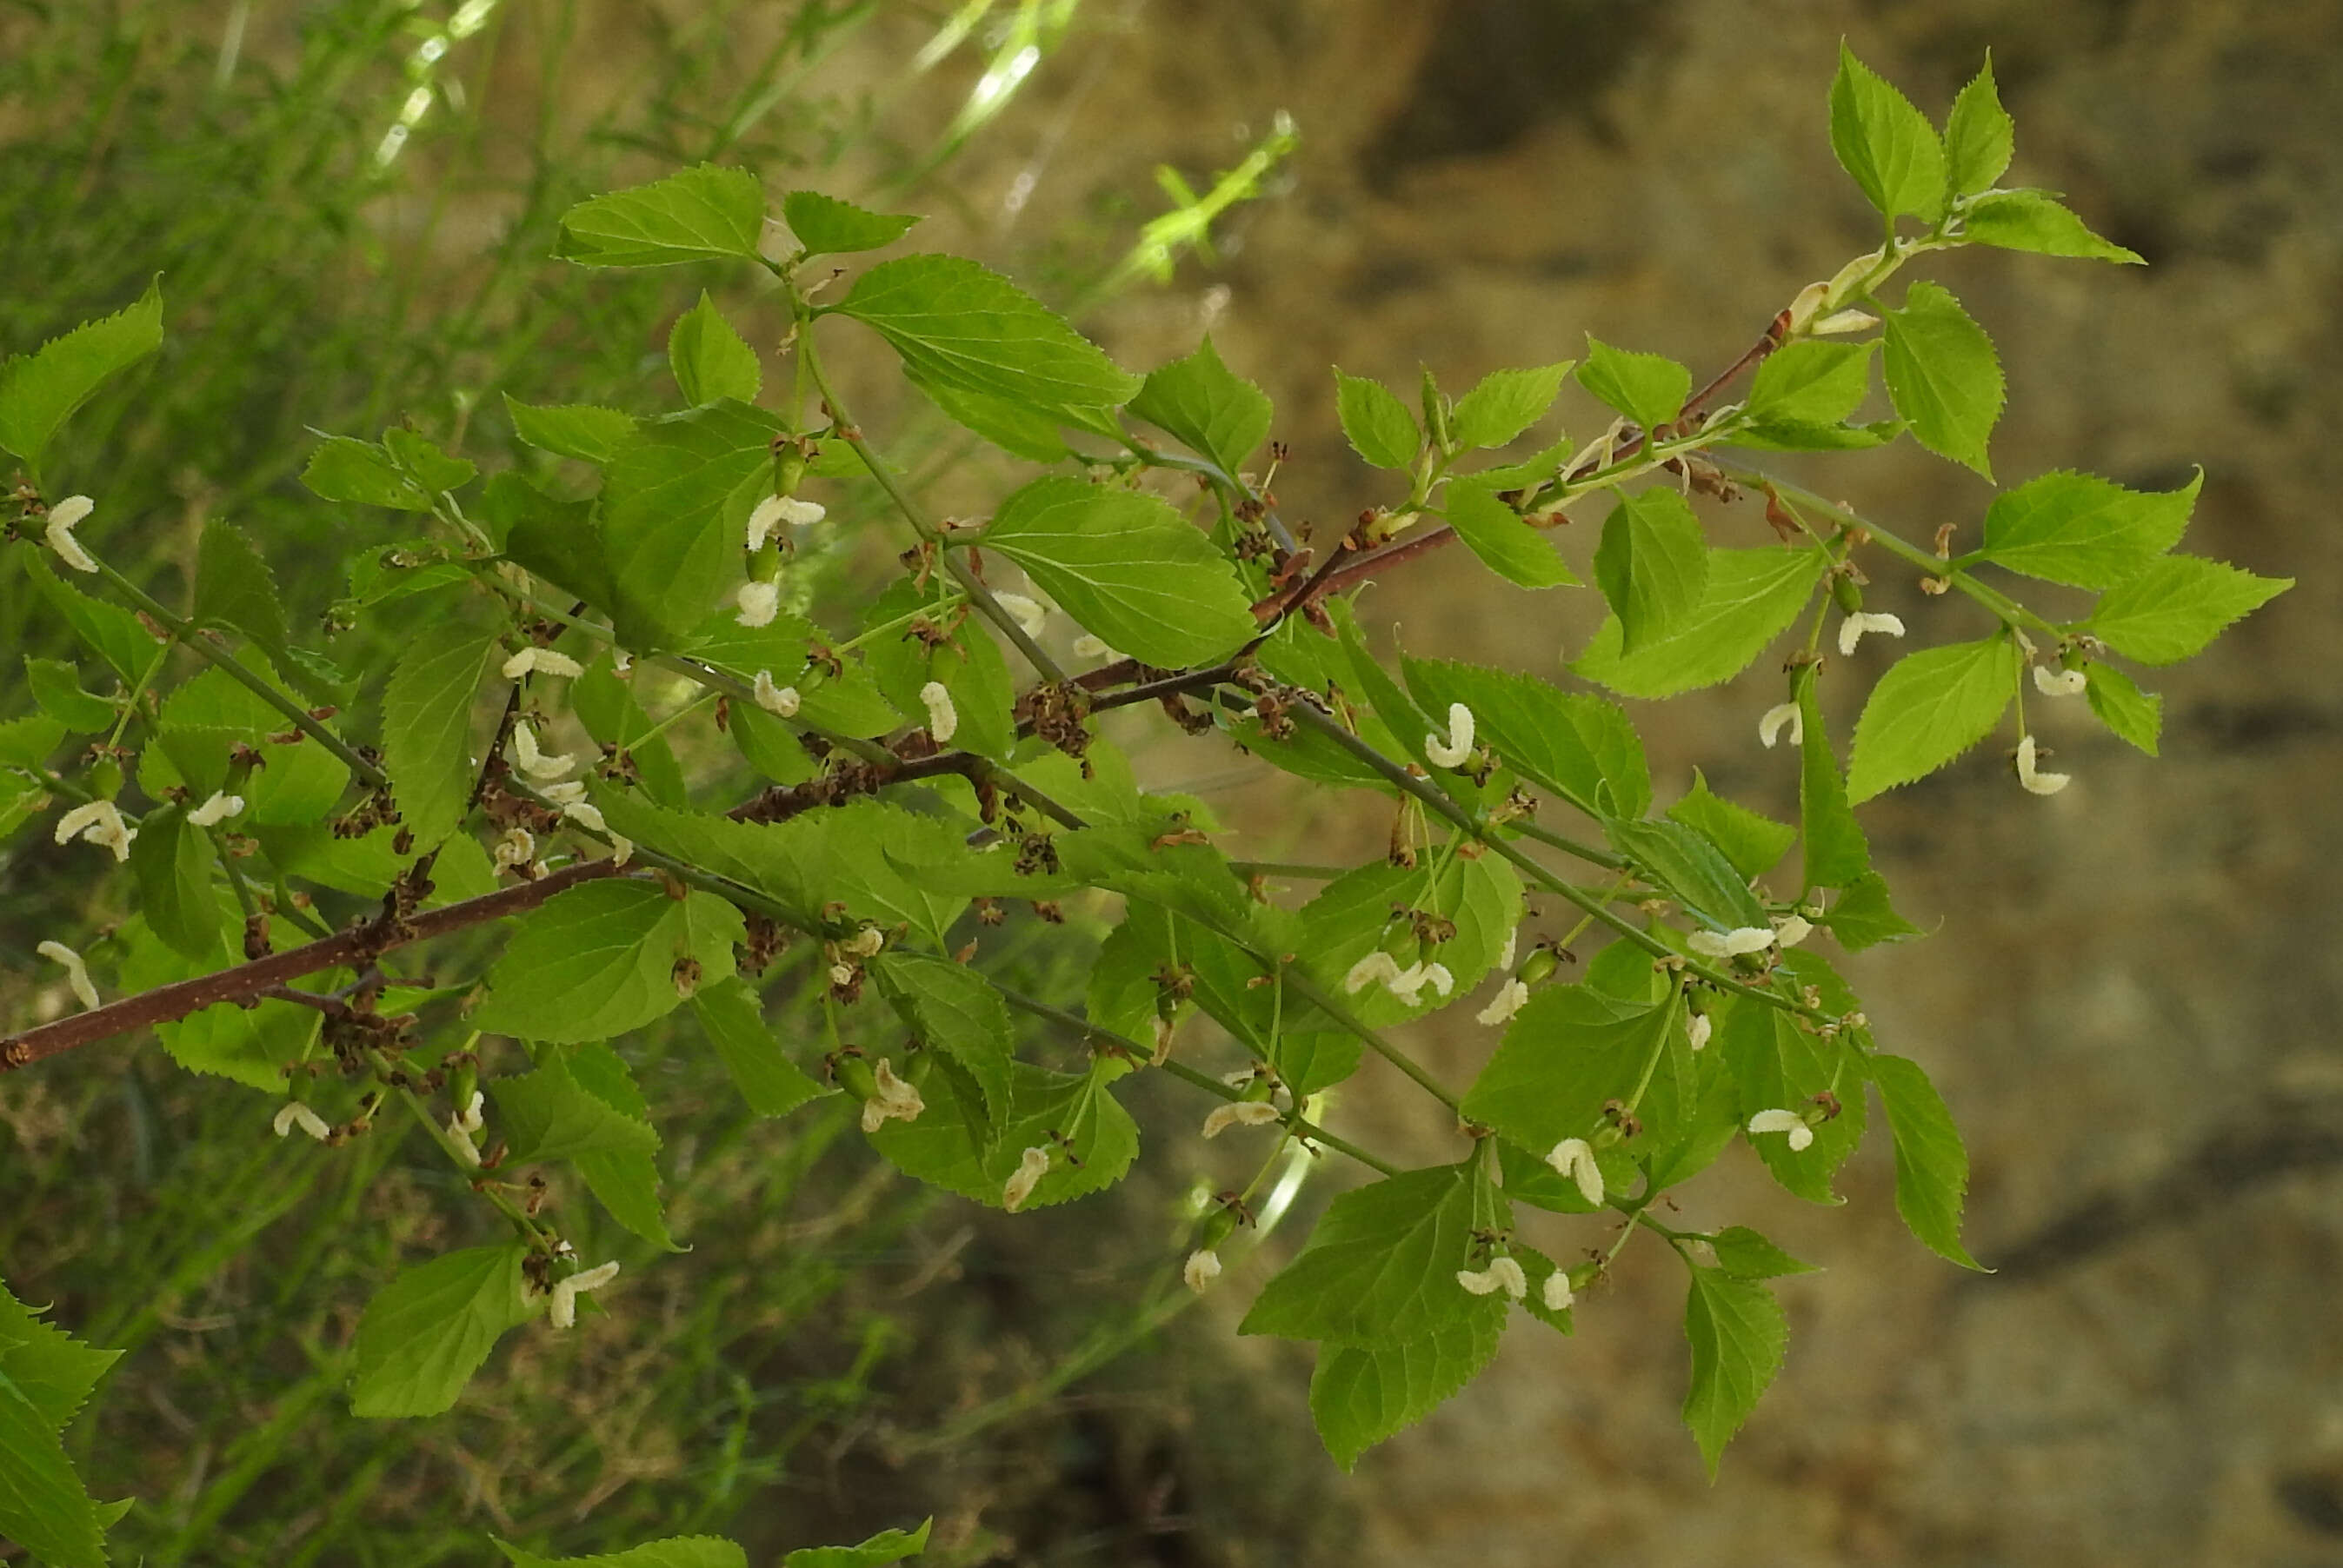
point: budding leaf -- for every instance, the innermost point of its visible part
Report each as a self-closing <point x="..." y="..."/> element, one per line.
<point x="710" y="359"/>
<point x="1361" y="1395"/>
<point x="697" y="214"/>
<point x="1811" y="382"/>
<point x="675" y="515"/>
<point x="677" y="1552"/>
<point x="40" y="390"/>
<point x="1944" y="376"/>
<point x="1214" y="412"/>
<point x="1578" y="746"/>
<point x="1752" y="843"/>
<point x="1751" y="594"/>
<point x="1978" y="136"/>
<point x="576" y="430"/>
<point x="826" y="225"/>
<point x="1378" y="425"/>
<point x="1737" y="1333"/>
<point x="600" y="958"/>
<point x="343" y="468"/>
<point x="427" y="723"/>
<point x="1932" y="1167"/>
<point x="1506" y="545"/>
<point x="2135" y="715"/>
<point x="422" y="461"/>
<point x="888" y="1546"/>
<point x="2035" y="221"/>
<point x="1652" y="565"/>
<point x="2177" y="604"/>
<point x="1127" y="567"/>
<point x="1505" y="403"/>
<point x="427" y="1332"/>
<point x="2083" y="530"/>
<point x="731" y="1016"/>
<point x="960" y="324"/>
<point x="1381" y="1267"/>
<point x="1649" y="388"/>
<point x="1885" y="144"/>
<point x="1929" y="707"/>
<point x="172" y="864"/>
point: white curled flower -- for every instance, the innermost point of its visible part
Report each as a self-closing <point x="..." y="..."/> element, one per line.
<point x="759" y="602"/>
<point x="778" y="700"/>
<point x="1026" y="613"/>
<point x="2052" y="682"/>
<point x="216" y="811"/>
<point x="1851" y="629"/>
<point x="459" y="1138"/>
<point x="1733" y="943"/>
<point x="1697" y="1028"/>
<point x="1408" y="984"/>
<point x="1801" y="1135"/>
<point x="1452" y="751"/>
<point x="100" y="822"/>
<point x="567" y="794"/>
<point x="943" y="718"/>
<point x="535" y="762"/>
<point x="892" y="1100"/>
<point x="585" y="816"/>
<point x="1769" y="728"/>
<point x="564" y="1310"/>
<point x="62" y="519"/>
<point x="1507" y="1002"/>
<point x="1791" y="930"/>
<point x="1512" y="946"/>
<point x="76" y="972"/>
<point x="471" y="1118"/>
<point x="516" y="848"/>
<point x="292" y="1113"/>
<point x="1443" y="983"/>
<point x="864" y="943"/>
<point x="1843" y="321"/>
<point x="1556" y="1293"/>
<point x="542" y="662"/>
<point x="2035" y="782"/>
<point x="1501" y="1274"/>
<point x="1240" y="1113"/>
<point x="1574" y="1158"/>
<point x="762" y="520"/>
<point x="621" y="662"/>
<point x="1376" y="966"/>
<point x="1202" y="1267"/>
<point x="622" y="848"/>
<point x="1032" y="1166"/>
<point x="1089" y="647"/>
<point x="842" y="974"/>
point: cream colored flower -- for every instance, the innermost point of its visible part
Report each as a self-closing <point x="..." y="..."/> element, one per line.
<point x="567" y="794"/>
<point x="1454" y="751"/>
<point x="1512" y="946"/>
<point x="1507" y="1002"/>
<point x="1697" y="1028"/>
<point x="1843" y="321"/>
<point x="542" y="662"/>
<point x="1089" y="647"/>
<point x="1801" y="1135"/>
<point x="76" y="972"/>
<point x="778" y="700"/>
<point x="1028" y="613"/>
<point x="1733" y="943"/>
<point x="1851" y="629"/>
<point x="585" y="816"/>
<point x="1574" y="1158"/>
<point x="1032" y="1166"/>
<point x="1376" y="966"/>
<point x="515" y="849"/>
<point x="893" y="1100"/>
<point x="943" y="719"/>
<point x="1769" y="727"/>
<point x="62" y="519"/>
<point x="1501" y="1274"/>
<point x="2035" y="782"/>
<point x="216" y="811"/>
<point x="536" y="763"/>
<point x="292" y="1113"/>
<point x="2059" y="682"/>
<point x="773" y="511"/>
<point x="1240" y="1113"/>
<point x="759" y="602"/>
<point x="100" y="822"/>
<point x="471" y="1118"/>
<point x="564" y="1310"/>
<point x="1791" y="930"/>
<point x="864" y="943"/>
<point x="1556" y="1293"/>
<point x="1202" y="1267"/>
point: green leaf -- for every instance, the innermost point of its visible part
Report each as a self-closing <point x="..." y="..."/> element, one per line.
<point x="51" y="1369"/>
<point x="172" y="864"/>
<point x="1746" y="1255"/>
<point x="888" y="1546"/>
<point x="2135" y="715"/>
<point x="427" y="1332"/>
<point x="1018" y="428"/>
<point x="1684" y="865"/>
<point x="431" y="469"/>
<point x="1752" y="595"/>
<point x="710" y="359"/>
<point x="39" y="391"/>
<point x="1777" y="1065"/>
<point x="698" y="215"/>
<point x="1944" y="376"/>
<point x="56" y="689"/>
<point x="1888" y="146"/>
<point x="1092" y="1137"/>
<point x="946" y="1144"/>
<point x="1352" y="916"/>
<point x="1568" y="1053"/>
<point x="676" y="1552"/>
<point x="1649" y="388"/>
<point x="576" y="430"/>
<point x="249" y="1047"/>
<point x="733" y="1019"/>
<point x="547" y="1114"/>
<point x="427" y="727"/>
<point x="1578" y="746"/>
<point x="1522" y="555"/>
<point x="42" y="1504"/>
<point x="1737" y="1333"/>
<point x="961" y="325"/>
<point x="2035" y="221"/>
<point x="1505" y="403"/>
<point x="1837" y="854"/>
<point x="1378" y="425"/>
<point x="2176" y="605"/>
<point x="1361" y="1395"/>
<point x="623" y="1176"/>
<point x="343" y="468"/>
<point x="1863" y="917"/>
<point x="1812" y="382"/>
<point x="605" y="704"/>
<point x="954" y="1009"/>
<point x="675" y="515"/>
<point x="1652" y="565"/>
<point x="1978" y="136"/>
<point x="1381" y="1268"/>
<point x="825" y="226"/>
<point x="1214" y="412"/>
<point x="1927" y="709"/>
<point x="2083" y="530"/>
<point x="113" y="631"/>
<point x="601" y="957"/>
<point x="234" y="588"/>
<point x="1127" y="567"/>
<point x="1806" y="436"/>
<point x="1754" y="843"/>
<point x="1932" y="1167"/>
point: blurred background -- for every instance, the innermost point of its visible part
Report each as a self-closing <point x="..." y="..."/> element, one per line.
<point x="2128" y="999"/>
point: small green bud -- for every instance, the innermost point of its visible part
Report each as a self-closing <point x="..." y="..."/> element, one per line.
<point x="854" y="1075"/>
<point x="1539" y="964"/>
<point x="1846" y="595"/>
<point x="106" y="779"/>
<point x="1216" y="1227"/>
<point x="1435" y="413"/>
